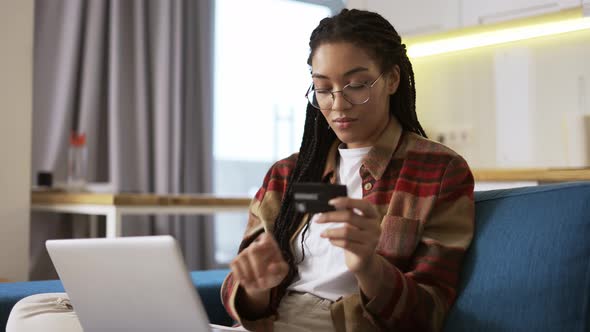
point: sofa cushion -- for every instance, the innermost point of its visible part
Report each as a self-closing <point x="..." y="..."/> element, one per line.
<point x="528" y="268"/>
<point x="208" y="284"/>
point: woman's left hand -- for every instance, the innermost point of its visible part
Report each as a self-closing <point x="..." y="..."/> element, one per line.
<point x="358" y="236"/>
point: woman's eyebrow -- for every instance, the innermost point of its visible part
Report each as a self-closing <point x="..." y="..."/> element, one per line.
<point x="348" y="73"/>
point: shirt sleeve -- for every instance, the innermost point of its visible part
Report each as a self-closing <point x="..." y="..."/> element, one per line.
<point x="420" y="297"/>
<point x="262" y="213"/>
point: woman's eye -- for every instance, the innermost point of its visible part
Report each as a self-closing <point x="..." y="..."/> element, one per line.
<point x="356" y="85"/>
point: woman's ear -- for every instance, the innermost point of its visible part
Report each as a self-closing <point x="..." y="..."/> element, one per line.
<point x="392" y="79"/>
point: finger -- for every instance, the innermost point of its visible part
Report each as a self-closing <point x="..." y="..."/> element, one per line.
<point x="345" y="203"/>
<point x="344" y="216"/>
<point x="248" y="278"/>
<point x="347" y="232"/>
<point x="353" y="247"/>
<point x="237" y="271"/>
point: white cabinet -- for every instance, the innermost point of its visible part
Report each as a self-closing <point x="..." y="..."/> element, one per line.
<point x="415" y="17"/>
<point x="475" y="12"/>
<point x="419" y="17"/>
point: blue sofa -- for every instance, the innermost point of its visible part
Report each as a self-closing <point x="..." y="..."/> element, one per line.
<point x="528" y="268"/>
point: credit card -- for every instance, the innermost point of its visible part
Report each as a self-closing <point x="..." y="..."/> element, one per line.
<point x="311" y="197"/>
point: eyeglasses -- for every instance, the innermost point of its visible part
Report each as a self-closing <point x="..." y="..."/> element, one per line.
<point x="354" y="93"/>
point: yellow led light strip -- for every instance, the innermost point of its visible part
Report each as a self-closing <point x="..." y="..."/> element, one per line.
<point x="497" y="34"/>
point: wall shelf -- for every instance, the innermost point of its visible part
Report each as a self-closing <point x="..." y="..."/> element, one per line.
<point x="532" y="174"/>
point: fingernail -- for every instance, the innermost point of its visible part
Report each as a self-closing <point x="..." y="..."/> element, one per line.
<point x="332" y="201"/>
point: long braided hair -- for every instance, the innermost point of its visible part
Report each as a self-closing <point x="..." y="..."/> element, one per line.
<point x="371" y="32"/>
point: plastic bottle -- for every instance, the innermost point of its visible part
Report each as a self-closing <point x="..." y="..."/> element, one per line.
<point x="77" y="162"/>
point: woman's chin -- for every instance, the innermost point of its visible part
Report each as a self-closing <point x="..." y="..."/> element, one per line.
<point x="351" y="141"/>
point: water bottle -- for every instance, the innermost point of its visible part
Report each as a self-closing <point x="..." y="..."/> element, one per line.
<point x="77" y="162"/>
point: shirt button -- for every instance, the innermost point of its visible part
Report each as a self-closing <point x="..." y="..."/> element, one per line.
<point x="368" y="186"/>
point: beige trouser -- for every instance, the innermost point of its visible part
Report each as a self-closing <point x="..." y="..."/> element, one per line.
<point x="303" y="312"/>
<point x="298" y="312"/>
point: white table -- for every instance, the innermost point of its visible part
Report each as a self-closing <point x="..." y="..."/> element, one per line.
<point x="114" y="206"/>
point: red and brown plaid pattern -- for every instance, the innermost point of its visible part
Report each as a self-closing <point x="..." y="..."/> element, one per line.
<point x="424" y="192"/>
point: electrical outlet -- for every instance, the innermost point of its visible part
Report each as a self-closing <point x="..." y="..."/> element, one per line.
<point x="456" y="137"/>
<point x="464" y="136"/>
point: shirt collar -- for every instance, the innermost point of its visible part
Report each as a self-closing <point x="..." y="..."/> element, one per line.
<point x="377" y="159"/>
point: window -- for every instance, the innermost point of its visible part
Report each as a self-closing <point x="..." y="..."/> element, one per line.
<point x="261" y="75"/>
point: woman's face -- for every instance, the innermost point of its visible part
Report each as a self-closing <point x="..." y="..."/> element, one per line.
<point x="334" y="65"/>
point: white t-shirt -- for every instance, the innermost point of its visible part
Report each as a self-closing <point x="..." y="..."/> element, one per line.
<point x="323" y="272"/>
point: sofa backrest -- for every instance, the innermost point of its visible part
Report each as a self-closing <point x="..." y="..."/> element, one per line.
<point x="528" y="268"/>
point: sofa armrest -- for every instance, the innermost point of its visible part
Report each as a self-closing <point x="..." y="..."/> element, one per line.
<point x="10" y="293"/>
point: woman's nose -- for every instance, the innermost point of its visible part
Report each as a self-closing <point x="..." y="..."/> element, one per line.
<point x="339" y="103"/>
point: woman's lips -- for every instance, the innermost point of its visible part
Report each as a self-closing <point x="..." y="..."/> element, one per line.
<point x="343" y="123"/>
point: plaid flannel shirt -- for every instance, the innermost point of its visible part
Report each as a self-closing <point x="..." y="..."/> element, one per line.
<point x="423" y="192"/>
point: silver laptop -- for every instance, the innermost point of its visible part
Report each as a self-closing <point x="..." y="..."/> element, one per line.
<point x="129" y="284"/>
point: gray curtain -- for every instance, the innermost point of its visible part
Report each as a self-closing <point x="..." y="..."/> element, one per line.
<point x="136" y="77"/>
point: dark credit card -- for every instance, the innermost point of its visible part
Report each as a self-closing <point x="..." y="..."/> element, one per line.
<point x="314" y="197"/>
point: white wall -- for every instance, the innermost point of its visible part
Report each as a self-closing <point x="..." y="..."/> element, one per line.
<point x="522" y="104"/>
<point x="16" y="56"/>
<point x="552" y="95"/>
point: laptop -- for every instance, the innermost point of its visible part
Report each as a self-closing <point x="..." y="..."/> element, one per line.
<point x="130" y="284"/>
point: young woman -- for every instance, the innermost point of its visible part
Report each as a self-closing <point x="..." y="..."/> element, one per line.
<point x="389" y="257"/>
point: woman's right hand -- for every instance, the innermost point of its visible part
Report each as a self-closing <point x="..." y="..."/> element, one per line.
<point x="260" y="266"/>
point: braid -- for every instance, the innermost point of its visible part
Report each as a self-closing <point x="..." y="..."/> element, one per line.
<point x="377" y="36"/>
<point x="317" y="139"/>
<point x="403" y="102"/>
